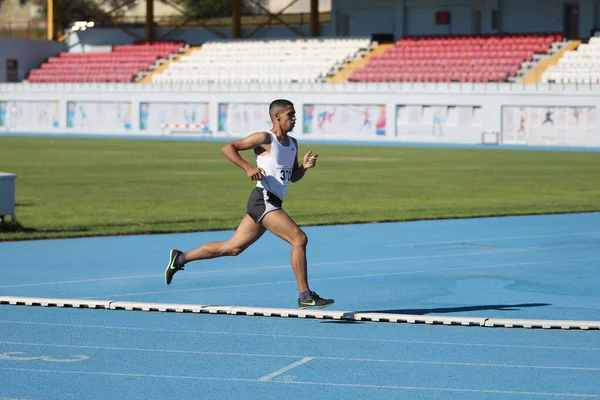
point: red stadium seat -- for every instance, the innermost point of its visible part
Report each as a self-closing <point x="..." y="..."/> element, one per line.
<point x="120" y="65"/>
<point x="460" y="58"/>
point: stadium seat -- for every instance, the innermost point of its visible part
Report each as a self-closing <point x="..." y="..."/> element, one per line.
<point x="264" y="61"/>
<point x="122" y="64"/>
<point x="454" y="59"/>
<point x="577" y="66"/>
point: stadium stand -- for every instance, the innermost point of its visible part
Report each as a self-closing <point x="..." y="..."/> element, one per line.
<point x="459" y="59"/>
<point x="124" y="63"/>
<point x="265" y="61"/>
<point x="577" y="66"/>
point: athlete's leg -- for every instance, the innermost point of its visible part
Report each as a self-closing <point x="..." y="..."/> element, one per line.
<point x="246" y="233"/>
<point x="281" y="225"/>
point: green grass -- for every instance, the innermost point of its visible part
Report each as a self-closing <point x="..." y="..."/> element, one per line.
<point x="92" y="187"/>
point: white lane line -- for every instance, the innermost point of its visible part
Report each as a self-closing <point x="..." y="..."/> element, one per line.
<point x="321" y="264"/>
<point x="459" y="241"/>
<point x="419" y="271"/>
<point x="348" y="385"/>
<point x="304" y="359"/>
<point x="285" y="369"/>
<point x="272" y="335"/>
<point x="119" y="278"/>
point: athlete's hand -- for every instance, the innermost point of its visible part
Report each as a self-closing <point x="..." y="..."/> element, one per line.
<point x="310" y="160"/>
<point x="255" y="174"/>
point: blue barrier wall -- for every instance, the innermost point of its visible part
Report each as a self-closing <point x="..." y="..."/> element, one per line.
<point x="28" y="53"/>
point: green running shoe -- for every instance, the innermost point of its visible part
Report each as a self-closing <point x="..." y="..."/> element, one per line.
<point x="314" y="300"/>
<point x="173" y="266"/>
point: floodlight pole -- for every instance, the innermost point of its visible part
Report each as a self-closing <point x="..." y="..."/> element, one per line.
<point x="236" y="19"/>
<point x="50" y="29"/>
<point x="150" y="21"/>
<point x="314" y="18"/>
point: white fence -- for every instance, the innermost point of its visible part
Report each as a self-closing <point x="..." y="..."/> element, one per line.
<point x="436" y="113"/>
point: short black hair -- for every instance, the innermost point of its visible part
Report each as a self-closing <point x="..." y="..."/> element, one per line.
<point x="277" y="105"/>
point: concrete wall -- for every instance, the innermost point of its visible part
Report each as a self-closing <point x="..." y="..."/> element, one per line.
<point x="29" y="53"/>
<point x="416" y="17"/>
<point x="488" y="100"/>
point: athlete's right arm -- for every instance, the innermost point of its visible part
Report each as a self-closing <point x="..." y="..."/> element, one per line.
<point x="232" y="152"/>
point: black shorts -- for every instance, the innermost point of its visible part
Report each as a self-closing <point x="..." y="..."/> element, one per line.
<point x="261" y="202"/>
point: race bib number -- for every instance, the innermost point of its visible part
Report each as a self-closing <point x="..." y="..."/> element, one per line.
<point x="284" y="174"/>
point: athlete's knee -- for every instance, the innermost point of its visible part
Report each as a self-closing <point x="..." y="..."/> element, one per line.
<point x="300" y="239"/>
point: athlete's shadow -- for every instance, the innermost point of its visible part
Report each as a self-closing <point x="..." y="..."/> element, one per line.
<point x="425" y="311"/>
<point x="349" y="316"/>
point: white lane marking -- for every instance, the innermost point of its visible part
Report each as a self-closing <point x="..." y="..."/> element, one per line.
<point x="321" y="264"/>
<point x="304" y="359"/>
<point x="285" y="369"/>
<point x="419" y="271"/>
<point x="272" y="335"/>
<point x="118" y="278"/>
<point x="459" y="241"/>
<point x="286" y="382"/>
<point x="20" y="356"/>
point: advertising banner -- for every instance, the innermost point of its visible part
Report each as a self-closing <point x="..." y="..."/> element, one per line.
<point x="435" y="123"/>
<point x="344" y="120"/>
<point x="154" y="114"/>
<point x="29" y="115"/>
<point x="550" y="125"/>
<point x="98" y="116"/>
<point x="243" y="118"/>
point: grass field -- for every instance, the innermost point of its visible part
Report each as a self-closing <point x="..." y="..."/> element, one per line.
<point x="89" y="187"/>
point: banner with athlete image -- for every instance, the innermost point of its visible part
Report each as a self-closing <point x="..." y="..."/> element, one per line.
<point x="29" y="115"/>
<point x="441" y="124"/>
<point x="99" y="116"/>
<point x="550" y="125"/>
<point x="344" y="120"/>
<point x="243" y="118"/>
<point x="154" y="114"/>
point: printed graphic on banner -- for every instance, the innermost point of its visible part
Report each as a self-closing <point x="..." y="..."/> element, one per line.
<point x="434" y="123"/>
<point x="99" y="116"/>
<point x="25" y="115"/>
<point x="243" y="117"/>
<point x="153" y="115"/>
<point x="344" y="120"/>
<point x="549" y="125"/>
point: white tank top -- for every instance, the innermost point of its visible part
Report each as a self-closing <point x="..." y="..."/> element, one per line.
<point x="277" y="165"/>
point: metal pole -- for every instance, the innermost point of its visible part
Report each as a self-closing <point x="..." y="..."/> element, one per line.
<point x="50" y="19"/>
<point x="314" y="18"/>
<point x="150" y="21"/>
<point x="236" y="19"/>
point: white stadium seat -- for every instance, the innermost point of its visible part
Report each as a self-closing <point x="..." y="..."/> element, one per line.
<point x="269" y="61"/>
<point x="578" y="66"/>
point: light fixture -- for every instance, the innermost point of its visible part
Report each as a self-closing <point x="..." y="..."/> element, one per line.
<point x="82" y="25"/>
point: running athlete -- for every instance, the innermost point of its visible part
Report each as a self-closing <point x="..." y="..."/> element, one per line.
<point x="277" y="166"/>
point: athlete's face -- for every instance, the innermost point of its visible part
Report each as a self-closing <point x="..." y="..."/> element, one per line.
<point x="287" y="118"/>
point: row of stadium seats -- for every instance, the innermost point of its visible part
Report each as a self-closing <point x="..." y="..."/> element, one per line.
<point x="467" y="59"/>
<point x="299" y="60"/>
<point x="410" y="59"/>
<point x="578" y="66"/>
<point x="121" y="64"/>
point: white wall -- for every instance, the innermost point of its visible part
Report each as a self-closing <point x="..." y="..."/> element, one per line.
<point x="487" y="98"/>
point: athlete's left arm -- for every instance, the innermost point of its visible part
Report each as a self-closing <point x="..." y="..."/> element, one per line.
<point x="309" y="161"/>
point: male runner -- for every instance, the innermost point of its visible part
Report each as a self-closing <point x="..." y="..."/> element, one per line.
<point x="277" y="166"/>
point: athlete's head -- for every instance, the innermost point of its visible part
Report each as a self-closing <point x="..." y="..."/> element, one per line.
<point x="282" y="114"/>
